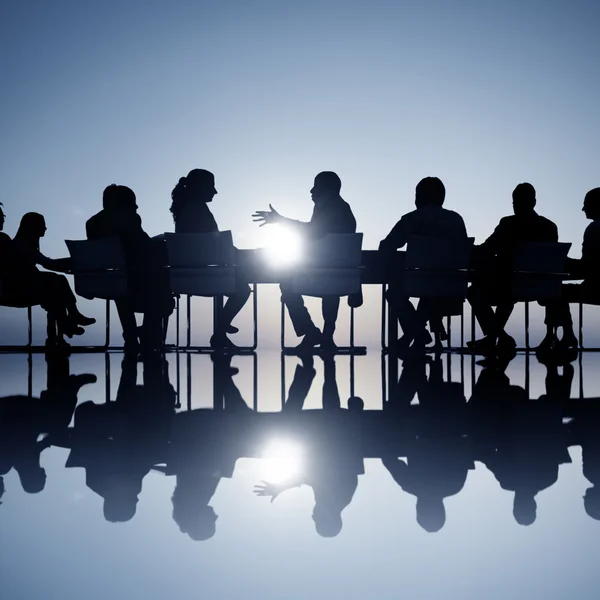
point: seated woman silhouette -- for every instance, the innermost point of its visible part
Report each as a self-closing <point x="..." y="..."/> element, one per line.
<point x="24" y="280"/>
<point x="192" y="215"/>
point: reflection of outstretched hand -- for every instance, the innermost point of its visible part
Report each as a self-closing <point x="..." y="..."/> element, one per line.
<point x="264" y="488"/>
<point x="266" y="217"/>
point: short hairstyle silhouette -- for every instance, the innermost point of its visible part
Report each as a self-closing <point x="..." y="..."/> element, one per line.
<point x="119" y="509"/>
<point x="524" y="196"/>
<point x="117" y="197"/>
<point x="591" y="502"/>
<point x="592" y="200"/>
<point x="200" y="523"/>
<point x="327" y="524"/>
<point x="329" y="181"/>
<point x="431" y="513"/>
<point x="430" y="191"/>
<point x="199" y="179"/>
<point x="33" y="481"/>
<point x="524" y="509"/>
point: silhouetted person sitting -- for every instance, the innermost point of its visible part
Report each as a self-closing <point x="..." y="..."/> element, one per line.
<point x="145" y="258"/>
<point x="331" y="214"/>
<point x="24" y="280"/>
<point x="438" y="455"/>
<point x="493" y="263"/>
<point x="585" y="430"/>
<point x="531" y="446"/>
<point x="429" y="219"/>
<point x="585" y="268"/>
<point x="192" y="215"/>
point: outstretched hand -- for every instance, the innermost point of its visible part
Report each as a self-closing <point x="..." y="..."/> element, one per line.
<point x="266" y="217"/>
<point x="264" y="488"/>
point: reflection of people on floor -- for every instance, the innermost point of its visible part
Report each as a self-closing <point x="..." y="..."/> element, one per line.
<point x="332" y="457"/>
<point x="23" y="420"/>
<point x="118" y="443"/>
<point x="531" y="444"/>
<point x="438" y="457"/>
<point x="204" y="448"/>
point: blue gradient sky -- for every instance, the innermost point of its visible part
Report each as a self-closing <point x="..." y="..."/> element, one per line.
<point x="267" y="93"/>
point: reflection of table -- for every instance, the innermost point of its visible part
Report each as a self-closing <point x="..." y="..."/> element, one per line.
<point x="255" y="267"/>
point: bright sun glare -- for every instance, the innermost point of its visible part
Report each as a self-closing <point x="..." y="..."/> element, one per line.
<point x="283" y="246"/>
<point x="283" y="460"/>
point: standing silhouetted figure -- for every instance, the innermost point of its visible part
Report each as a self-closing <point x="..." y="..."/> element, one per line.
<point x="585" y="268"/>
<point x="331" y="214"/>
<point x="192" y="215"/>
<point x="429" y="219"/>
<point x="147" y="280"/>
<point x="24" y="280"/>
<point x="493" y="262"/>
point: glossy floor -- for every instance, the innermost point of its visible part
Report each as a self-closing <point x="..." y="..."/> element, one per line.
<point x="434" y="479"/>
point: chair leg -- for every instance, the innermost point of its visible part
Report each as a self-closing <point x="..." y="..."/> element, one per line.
<point x="472" y="326"/>
<point x="107" y="320"/>
<point x="177" y="321"/>
<point x="527" y="325"/>
<point x="383" y="318"/>
<point x="282" y="326"/>
<point x="462" y="327"/>
<point x="29" y="326"/>
<point x="581" y="325"/>
<point x="449" y="327"/>
<point x="351" y="327"/>
<point x="255" y="316"/>
<point x="189" y="321"/>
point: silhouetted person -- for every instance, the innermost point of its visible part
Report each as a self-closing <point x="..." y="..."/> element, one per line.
<point x="438" y="456"/>
<point x="429" y="219"/>
<point x="23" y="420"/>
<point x="493" y="263"/>
<point x="204" y="448"/>
<point x="145" y="259"/>
<point x="119" y="442"/>
<point x="331" y="214"/>
<point x="5" y="243"/>
<point x="531" y="444"/>
<point x="192" y="215"/>
<point x="332" y="457"/>
<point x="585" y="268"/>
<point x="24" y="281"/>
<point x="585" y="430"/>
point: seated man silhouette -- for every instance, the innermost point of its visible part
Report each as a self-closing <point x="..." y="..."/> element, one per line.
<point x="332" y="450"/>
<point x="585" y="268"/>
<point x="531" y="445"/>
<point x="493" y="270"/>
<point x="331" y="214"/>
<point x="118" y="443"/>
<point x="191" y="214"/>
<point x="585" y="433"/>
<point x="145" y="258"/>
<point x="429" y="219"/>
<point x="438" y="456"/>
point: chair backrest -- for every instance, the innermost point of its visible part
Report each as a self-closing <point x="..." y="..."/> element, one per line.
<point x="335" y="251"/>
<point x="438" y="253"/>
<point x="541" y="257"/>
<point x="197" y="250"/>
<point x="96" y="255"/>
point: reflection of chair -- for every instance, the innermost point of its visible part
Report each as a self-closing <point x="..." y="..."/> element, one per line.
<point x="204" y="265"/>
<point x="330" y="267"/>
<point x="438" y="270"/>
<point x="99" y="270"/>
<point x="538" y="272"/>
<point x="19" y="303"/>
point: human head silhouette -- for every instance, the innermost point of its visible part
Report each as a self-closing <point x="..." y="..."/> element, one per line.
<point x="33" y="480"/>
<point x="119" y="197"/>
<point x="328" y="522"/>
<point x="524" y="508"/>
<point x="591" y="502"/>
<point x="430" y="191"/>
<point x="119" y="508"/>
<point x="327" y="185"/>
<point x="31" y="229"/>
<point x="198" y="521"/>
<point x="197" y="186"/>
<point x="591" y="204"/>
<point x="523" y="199"/>
<point x="431" y="513"/>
